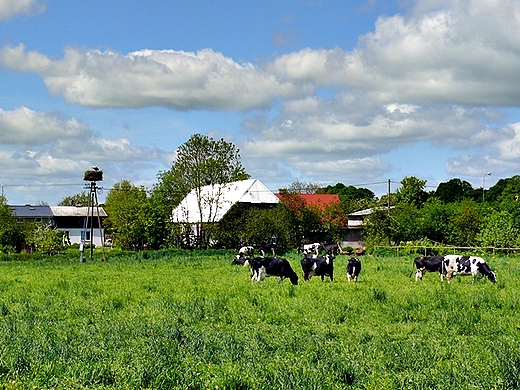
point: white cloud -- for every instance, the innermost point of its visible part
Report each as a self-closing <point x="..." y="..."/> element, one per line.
<point x="10" y="8"/>
<point x="24" y="127"/>
<point x="46" y="148"/>
<point x="173" y="79"/>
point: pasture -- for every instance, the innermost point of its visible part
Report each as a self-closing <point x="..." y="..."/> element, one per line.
<point x="191" y="320"/>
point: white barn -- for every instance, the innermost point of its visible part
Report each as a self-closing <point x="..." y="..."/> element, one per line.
<point x="216" y="200"/>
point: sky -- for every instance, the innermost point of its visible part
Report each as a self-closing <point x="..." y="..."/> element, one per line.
<point x="319" y="91"/>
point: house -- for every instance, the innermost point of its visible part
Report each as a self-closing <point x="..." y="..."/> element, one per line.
<point x="217" y="199"/>
<point x="70" y="219"/>
<point x="354" y="230"/>
<point x="317" y="201"/>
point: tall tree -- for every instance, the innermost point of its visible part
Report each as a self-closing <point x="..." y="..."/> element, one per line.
<point x="453" y="190"/>
<point x="126" y="206"/>
<point x="200" y="161"/>
<point x="412" y="192"/>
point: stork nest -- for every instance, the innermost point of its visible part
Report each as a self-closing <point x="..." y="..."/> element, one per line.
<point x="93" y="176"/>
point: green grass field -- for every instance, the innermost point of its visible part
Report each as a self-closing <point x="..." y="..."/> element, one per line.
<point x="190" y="320"/>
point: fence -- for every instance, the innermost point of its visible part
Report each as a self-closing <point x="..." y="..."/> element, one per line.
<point x="426" y="250"/>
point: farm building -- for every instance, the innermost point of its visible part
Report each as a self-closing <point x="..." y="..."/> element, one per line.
<point x="216" y="200"/>
<point x="69" y="219"/>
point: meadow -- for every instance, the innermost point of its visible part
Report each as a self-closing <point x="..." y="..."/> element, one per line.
<point x="191" y="320"/>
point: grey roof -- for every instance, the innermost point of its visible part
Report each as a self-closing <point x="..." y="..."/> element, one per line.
<point x="28" y="211"/>
<point x="363" y="213"/>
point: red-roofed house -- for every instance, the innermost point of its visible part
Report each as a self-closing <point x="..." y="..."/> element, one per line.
<point x="319" y="201"/>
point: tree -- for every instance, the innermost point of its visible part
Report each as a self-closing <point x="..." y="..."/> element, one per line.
<point x="465" y="224"/>
<point x="435" y="220"/>
<point x="300" y="187"/>
<point x="412" y="192"/>
<point x="498" y="230"/>
<point x="126" y="206"/>
<point x="82" y="199"/>
<point x="377" y="227"/>
<point x="404" y="223"/>
<point x="46" y="239"/>
<point x="11" y="236"/>
<point x="453" y="190"/>
<point x="200" y="161"/>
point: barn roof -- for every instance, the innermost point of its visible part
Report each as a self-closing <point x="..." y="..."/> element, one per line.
<point x="217" y="199"/>
<point x="319" y="201"/>
<point x="28" y="211"/>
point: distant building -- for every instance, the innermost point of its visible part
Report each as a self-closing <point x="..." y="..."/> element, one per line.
<point x="317" y="201"/>
<point x="354" y="232"/>
<point x="216" y="200"/>
<point x="69" y="219"/>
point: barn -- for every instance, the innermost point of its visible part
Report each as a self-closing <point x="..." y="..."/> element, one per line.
<point x="217" y="199"/>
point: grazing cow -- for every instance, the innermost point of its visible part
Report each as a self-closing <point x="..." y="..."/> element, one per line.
<point x="332" y="249"/>
<point x="428" y="264"/>
<point x="310" y="248"/>
<point x="267" y="247"/>
<point x="319" y="266"/>
<point x="261" y="267"/>
<point x="246" y="251"/>
<point x="467" y="265"/>
<point x="353" y="269"/>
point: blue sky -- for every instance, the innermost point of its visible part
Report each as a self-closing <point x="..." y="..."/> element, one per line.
<point x="356" y="92"/>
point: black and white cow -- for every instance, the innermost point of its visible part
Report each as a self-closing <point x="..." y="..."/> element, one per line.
<point x="310" y="248"/>
<point x="332" y="249"/>
<point x="261" y="267"/>
<point x="425" y="264"/>
<point x="319" y="266"/>
<point x="267" y="247"/>
<point x="246" y="251"/>
<point x="467" y="265"/>
<point x="353" y="269"/>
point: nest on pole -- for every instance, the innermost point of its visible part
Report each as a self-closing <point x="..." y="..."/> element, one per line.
<point x="94" y="175"/>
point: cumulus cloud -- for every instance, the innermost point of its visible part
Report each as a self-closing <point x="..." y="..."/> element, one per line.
<point x="44" y="146"/>
<point x="460" y="52"/>
<point x="174" y="79"/>
<point x="428" y="75"/>
<point x="10" y="8"/>
<point x="25" y="127"/>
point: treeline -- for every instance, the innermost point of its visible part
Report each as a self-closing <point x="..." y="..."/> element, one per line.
<point x="454" y="214"/>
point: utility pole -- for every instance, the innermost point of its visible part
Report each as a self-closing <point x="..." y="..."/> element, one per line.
<point x="388" y="197"/>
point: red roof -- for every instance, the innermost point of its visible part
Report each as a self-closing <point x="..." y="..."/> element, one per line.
<point x="320" y="201"/>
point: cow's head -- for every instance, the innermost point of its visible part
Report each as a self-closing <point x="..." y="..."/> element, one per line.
<point x="492" y="276"/>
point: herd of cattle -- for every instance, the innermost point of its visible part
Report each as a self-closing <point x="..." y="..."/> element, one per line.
<point x="318" y="260"/>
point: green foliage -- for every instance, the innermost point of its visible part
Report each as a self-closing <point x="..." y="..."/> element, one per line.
<point x="435" y="221"/>
<point x="465" y="224"/>
<point x="377" y="228"/>
<point x="453" y="190"/>
<point x="200" y="161"/>
<point x="126" y="206"/>
<point x="46" y="239"/>
<point x="405" y="223"/>
<point x="498" y="230"/>
<point x="188" y="319"/>
<point x="412" y="192"/>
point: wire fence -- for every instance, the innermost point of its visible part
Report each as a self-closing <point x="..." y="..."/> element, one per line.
<point x="443" y="250"/>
